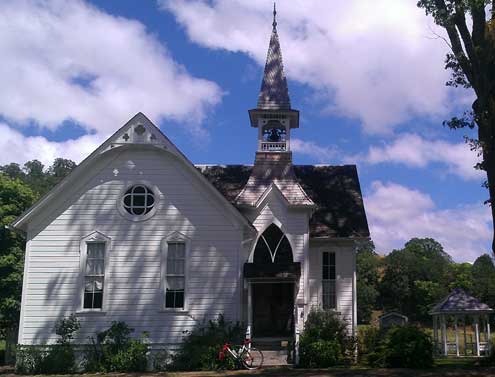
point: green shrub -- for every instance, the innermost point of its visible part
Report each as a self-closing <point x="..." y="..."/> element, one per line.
<point x="320" y="354"/>
<point x="325" y="332"/>
<point x="200" y="348"/>
<point x="368" y="339"/>
<point x="29" y="359"/>
<point x="403" y="347"/>
<point x="130" y="359"/>
<point x="115" y="351"/>
<point x="58" y="358"/>
<point x="160" y="361"/>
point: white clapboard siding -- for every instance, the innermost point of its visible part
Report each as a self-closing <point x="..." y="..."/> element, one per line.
<point x="132" y="283"/>
<point x="345" y="267"/>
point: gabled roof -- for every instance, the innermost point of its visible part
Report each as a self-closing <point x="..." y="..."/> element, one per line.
<point x="274" y="93"/>
<point x="393" y="313"/>
<point x="138" y="131"/>
<point x="335" y="191"/>
<point x="459" y="301"/>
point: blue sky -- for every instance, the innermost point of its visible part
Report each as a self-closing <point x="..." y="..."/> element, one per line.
<point x="367" y="78"/>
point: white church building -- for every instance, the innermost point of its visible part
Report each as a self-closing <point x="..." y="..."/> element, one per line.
<point x="138" y="233"/>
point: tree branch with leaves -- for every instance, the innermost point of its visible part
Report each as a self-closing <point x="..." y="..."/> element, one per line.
<point x="472" y="62"/>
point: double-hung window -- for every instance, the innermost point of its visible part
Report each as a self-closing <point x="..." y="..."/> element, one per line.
<point x="175" y="277"/>
<point x="329" y="291"/>
<point x="94" y="275"/>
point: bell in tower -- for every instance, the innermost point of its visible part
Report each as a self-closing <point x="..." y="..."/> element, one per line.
<point x="273" y="116"/>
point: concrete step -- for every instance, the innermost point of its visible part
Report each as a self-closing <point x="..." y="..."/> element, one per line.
<point x="276" y="351"/>
<point x="275" y="358"/>
<point x="273" y="344"/>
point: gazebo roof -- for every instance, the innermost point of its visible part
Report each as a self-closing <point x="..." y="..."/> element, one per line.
<point x="458" y="301"/>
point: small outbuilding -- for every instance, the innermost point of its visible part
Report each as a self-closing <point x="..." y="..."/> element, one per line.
<point x="392" y="318"/>
<point x="460" y="308"/>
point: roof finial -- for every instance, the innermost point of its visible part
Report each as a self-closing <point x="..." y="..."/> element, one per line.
<point x="274" y="16"/>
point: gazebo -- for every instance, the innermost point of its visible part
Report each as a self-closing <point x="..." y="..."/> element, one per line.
<point x="461" y="308"/>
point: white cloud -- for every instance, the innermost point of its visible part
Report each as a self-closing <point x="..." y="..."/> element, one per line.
<point x="313" y="150"/>
<point x="397" y="213"/>
<point x="372" y="60"/>
<point x="67" y="60"/>
<point x="414" y="151"/>
<point x="15" y="147"/>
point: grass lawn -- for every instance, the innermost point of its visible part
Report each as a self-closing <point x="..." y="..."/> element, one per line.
<point x="448" y="368"/>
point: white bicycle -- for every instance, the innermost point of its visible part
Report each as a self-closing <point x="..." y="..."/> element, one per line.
<point x="246" y="355"/>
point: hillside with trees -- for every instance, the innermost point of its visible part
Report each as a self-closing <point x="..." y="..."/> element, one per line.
<point x="414" y="278"/>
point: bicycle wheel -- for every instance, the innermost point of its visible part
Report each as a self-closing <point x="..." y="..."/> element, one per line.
<point x="252" y="359"/>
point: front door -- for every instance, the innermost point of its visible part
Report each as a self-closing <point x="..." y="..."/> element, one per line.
<point x="273" y="306"/>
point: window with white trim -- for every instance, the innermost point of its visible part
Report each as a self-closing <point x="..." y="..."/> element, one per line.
<point x="328" y="282"/>
<point x="94" y="275"/>
<point x="138" y="200"/>
<point x="175" y="277"/>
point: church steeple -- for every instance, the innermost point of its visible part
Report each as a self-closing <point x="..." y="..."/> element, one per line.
<point x="274" y="93"/>
<point x="274" y="116"/>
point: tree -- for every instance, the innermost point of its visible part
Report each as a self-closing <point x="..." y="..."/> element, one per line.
<point x="15" y="198"/>
<point x="484" y="279"/>
<point x="472" y="62"/>
<point x="461" y="276"/>
<point x="61" y="167"/>
<point x="415" y="277"/>
<point x="13" y="170"/>
<point x="34" y="168"/>
<point x="367" y="265"/>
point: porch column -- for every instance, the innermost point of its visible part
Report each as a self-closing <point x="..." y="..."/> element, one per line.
<point x="477" y="335"/>
<point x="444" y="335"/>
<point x="250" y="306"/>
<point x="488" y="332"/>
<point x="465" y="335"/>
<point x="456" y="336"/>
<point x="435" y="334"/>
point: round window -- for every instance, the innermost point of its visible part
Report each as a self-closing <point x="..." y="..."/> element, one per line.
<point x="138" y="200"/>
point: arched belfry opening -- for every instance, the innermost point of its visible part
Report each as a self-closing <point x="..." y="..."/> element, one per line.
<point x="273" y="247"/>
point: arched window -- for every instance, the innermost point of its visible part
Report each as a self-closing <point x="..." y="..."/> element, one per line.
<point x="273" y="247"/>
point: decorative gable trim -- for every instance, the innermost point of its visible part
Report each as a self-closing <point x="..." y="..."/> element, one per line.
<point x="95" y="236"/>
<point x="272" y="188"/>
<point x="146" y="135"/>
<point x="176" y="237"/>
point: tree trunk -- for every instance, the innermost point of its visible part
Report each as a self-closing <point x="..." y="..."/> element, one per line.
<point x="486" y="133"/>
<point x="490" y="173"/>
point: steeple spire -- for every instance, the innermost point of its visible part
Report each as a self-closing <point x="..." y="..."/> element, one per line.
<point x="274" y="16"/>
<point x="274" y="93"/>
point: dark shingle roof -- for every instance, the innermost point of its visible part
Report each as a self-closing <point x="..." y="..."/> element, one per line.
<point x="276" y="169"/>
<point x="460" y="301"/>
<point x="335" y="190"/>
<point x="274" y="93"/>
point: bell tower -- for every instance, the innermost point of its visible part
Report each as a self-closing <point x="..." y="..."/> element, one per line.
<point x="273" y="117"/>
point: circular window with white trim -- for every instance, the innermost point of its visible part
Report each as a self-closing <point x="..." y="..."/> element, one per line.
<point x="138" y="202"/>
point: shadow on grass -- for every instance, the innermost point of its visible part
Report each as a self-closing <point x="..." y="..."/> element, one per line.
<point x="444" y="367"/>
